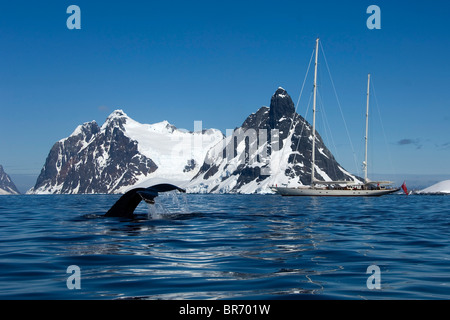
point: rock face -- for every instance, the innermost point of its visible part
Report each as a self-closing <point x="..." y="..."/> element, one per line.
<point x="272" y="147"/>
<point x="6" y="184"/>
<point x="119" y="154"/>
<point x="94" y="160"/>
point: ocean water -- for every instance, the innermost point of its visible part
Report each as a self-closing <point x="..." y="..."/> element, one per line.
<point x="226" y="247"/>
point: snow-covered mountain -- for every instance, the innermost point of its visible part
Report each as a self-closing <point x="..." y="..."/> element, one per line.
<point x="122" y="153"/>
<point x="272" y="147"/>
<point x="442" y="187"/>
<point x="6" y="184"/>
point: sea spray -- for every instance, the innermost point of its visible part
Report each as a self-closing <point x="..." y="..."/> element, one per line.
<point x="167" y="204"/>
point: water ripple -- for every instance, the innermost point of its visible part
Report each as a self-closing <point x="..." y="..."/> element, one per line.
<point x="226" y="247"/>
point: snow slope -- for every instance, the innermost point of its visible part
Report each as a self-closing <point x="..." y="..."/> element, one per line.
<point x="177" y="153"/>
<point x="442" y="187"/>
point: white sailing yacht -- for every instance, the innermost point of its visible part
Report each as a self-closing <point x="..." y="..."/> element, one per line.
<point x="338" y="188"/>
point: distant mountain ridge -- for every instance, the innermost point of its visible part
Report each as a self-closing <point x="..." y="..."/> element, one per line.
<point x="271" y="147"/>
<point x="6" y="184"/>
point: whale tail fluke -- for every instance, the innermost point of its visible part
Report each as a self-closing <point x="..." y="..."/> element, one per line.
<point x="127" y="203"/>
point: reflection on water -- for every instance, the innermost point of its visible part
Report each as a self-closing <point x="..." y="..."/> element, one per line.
<point x="222" y="246"/>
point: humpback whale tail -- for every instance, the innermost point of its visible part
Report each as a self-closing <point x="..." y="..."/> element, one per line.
<point x="127" y="203"/>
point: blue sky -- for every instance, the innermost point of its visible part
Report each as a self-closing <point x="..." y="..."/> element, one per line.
<point x="219" y="61"/>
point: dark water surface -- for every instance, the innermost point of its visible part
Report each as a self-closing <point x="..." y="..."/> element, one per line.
<point x="226" y="247"/>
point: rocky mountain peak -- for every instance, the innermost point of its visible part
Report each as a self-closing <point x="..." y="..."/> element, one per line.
<point x="94" y="160"/>
<point x="277" y="150"/>
<point x="118" y="113"/>
<point x="85" y="131"/>
<point x="281" y="106"/>
<point x="281" y="92"/>
<point x="6" y="184"/>
<point x="116" y="119"/>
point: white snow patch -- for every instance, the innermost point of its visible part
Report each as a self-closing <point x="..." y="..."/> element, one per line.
<point x="321" y="151"/>
<point x="349" y="174"/>
<point x="171" y="148"/>
<point x="4" y="192"/>
<point x="322" y="173"/>
<point x="440" y="187"/>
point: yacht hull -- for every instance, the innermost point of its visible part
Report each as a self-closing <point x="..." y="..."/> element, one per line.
<point x="322" y="192"/>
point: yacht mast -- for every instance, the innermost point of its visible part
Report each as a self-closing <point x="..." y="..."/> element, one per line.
<point x="314" y="117"/>
<point x="366" y="180"/>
